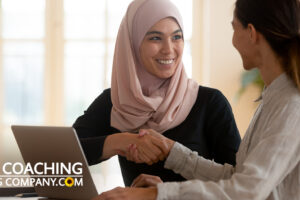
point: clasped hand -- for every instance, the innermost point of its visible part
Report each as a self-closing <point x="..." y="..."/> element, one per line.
<point x="148" y="147"/>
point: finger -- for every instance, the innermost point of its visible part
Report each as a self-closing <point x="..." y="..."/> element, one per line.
<point x="150" y="151"/>
<point x="159" y="154"/>
<point x="149" y="181"/>
<point x="161" y="144"/>
<point x="128" y="153"/>
<point x="143" y="132"/>
<point x="141" y="183"/>
<point x="160" y="149"/>
<point x="136" y="180"/>
<point x="151" y="146"/>
<point x="145" y="180"/>
<point x="144" y="157"/>
<point x="139" y="180"/>
<point x="162" y="141"/>
<point x="135" y="155"/>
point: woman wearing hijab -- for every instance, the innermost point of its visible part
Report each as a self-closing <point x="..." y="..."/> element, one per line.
<point x="267" y="36"/>
<point x="150" y="90"/>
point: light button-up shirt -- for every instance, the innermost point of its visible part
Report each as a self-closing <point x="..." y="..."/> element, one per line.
<point x="268" y="160"/>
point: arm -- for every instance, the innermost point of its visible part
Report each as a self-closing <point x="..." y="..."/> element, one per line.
<point x="100" y="141"/>
<point x="267" y="165"/>
<point x="191" y="166"/>
<point x="151" y="148"/>
<point x="183" y="161"/>
<point x="94" y="126"/>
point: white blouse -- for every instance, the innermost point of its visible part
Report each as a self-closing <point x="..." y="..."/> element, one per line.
<point x="268" y="160"/>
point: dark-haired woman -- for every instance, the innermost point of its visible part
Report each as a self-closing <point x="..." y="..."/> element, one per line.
<point x="266" y="34"/>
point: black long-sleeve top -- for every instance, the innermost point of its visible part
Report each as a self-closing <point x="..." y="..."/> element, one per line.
<point x="209" y="129"/>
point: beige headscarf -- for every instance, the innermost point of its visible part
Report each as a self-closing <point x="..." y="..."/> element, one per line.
<point x="141" y="100"/>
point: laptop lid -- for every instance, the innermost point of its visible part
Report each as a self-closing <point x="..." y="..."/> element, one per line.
<point x="55" y="162"/>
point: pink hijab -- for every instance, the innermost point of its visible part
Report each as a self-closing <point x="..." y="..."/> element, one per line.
<point x="141" y="100"/>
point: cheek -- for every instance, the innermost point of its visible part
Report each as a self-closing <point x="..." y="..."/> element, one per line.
<point x="179" y="49"/>
<point x="234" y="40"/>
<point x="151" y="51"/>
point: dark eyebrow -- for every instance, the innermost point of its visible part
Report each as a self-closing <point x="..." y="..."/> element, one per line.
<point x="177" y="31"/>
<point x="154" y="32"/>
<point x="160" y="33"/>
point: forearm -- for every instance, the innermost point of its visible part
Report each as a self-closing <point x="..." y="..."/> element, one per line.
<point x="115" y="144"/>
<point x="151" y="193"/>
<point x="192" y="166"/>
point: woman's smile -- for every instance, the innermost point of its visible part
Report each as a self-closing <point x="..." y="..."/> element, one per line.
<point x="161" y="49"/>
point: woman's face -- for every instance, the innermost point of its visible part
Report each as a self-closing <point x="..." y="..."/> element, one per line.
<point x="242" y="41"/>
<point x="162" y="47"/>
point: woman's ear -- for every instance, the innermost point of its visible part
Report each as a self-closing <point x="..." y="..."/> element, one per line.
<point x="253" y="34"/>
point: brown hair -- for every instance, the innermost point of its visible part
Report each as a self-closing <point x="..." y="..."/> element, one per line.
<point x="279" y="22"/>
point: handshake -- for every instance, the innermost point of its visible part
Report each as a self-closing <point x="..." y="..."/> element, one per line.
<point x="146" y="147"/>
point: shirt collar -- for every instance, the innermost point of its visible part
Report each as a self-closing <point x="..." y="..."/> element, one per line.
<point x="277" y="85"/>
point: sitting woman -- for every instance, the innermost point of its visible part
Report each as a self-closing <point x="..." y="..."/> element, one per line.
<point x="266" y="34"/>
<point x="150" y="90"/>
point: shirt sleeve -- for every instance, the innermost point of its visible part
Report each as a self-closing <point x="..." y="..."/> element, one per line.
<point x="191" y="166"/>
<point x="93" y="127"/>
<point x="222" y="132"/>
<point x="275" y="155"/>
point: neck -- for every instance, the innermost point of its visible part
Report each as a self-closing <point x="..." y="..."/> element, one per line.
<point x="270" y="67"/>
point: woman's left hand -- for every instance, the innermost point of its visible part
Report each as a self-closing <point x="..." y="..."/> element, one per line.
<point x="146" y="180"/>
<point x="120" y="193"/>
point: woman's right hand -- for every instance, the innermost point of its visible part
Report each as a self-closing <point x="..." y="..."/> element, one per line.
<point x="150" y="148"/>
<point x="136" y="151"/>
<point x="146" y="149"/>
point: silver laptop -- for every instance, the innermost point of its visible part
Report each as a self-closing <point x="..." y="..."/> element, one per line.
<point x="57" y="162"/>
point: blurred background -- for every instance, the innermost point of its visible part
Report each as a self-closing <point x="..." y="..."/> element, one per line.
<point x="56" y="58"/>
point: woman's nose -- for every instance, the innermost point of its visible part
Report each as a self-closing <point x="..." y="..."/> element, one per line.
<point x="167" y="47"/>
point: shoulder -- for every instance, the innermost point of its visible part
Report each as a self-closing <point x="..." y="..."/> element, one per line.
<point x="211" y="96"/>
<point x="211" y="102"/>
<point x="288" y="104"/>
<point x="105" y="95"/>
<point x="283" y="112"/>
<point x="286" y="101"/>
<point x="106" y="92"/>
<point x="103" y="101"/>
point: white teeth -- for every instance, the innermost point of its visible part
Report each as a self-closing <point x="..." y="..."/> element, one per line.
<point x="166" y="62"/>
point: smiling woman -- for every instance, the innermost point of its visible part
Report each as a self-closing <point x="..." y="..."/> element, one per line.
<point x="161" y="51"/>
<point x="150" y="90"/>
<point x="53" y="63"/>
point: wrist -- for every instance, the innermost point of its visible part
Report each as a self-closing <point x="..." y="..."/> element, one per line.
<point x="151" y="193"/>
<point x="170" y="144"/>
<point x="120" y="141"/>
